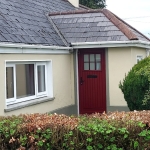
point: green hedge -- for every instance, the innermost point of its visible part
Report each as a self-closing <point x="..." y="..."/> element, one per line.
<point x="119" y="131"/>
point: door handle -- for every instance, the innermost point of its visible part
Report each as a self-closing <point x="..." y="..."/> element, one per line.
<point x="81" y="81"/>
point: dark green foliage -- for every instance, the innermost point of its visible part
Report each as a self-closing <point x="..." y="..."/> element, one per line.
<point x="136" y="85"/>
<point x="96" y="134"/>
<point x="9" y="128"/>
<point x="94" y="4"/>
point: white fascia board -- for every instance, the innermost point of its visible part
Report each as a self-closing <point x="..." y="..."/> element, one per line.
<point x="108" y="44"/>
<point x="33" y="49"/>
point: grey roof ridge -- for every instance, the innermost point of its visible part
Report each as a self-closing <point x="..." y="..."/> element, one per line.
<point x="57" y="31"/>
<point x="129" y="25"/>
<point x="76" y="12"/>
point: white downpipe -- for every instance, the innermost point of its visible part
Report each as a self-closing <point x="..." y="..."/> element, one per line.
<point x="77" y="76"/>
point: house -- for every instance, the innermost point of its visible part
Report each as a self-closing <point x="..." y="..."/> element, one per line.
<point x="58" y="57"/>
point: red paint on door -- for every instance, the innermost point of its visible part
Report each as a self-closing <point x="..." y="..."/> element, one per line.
<point x="92" y="81"/>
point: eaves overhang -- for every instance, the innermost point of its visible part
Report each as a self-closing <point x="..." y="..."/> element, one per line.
<point x="33" y="49"/>
<point x="108" y="44"/>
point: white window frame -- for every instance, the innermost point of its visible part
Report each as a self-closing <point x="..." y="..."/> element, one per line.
<point x="137" y="60"/>
<point x="48" y="81"/>
<point x="45" y="92"/>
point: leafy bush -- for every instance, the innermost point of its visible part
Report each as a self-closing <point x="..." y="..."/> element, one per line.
<point x="136" y="86"/>
<point x="115" y="131"/>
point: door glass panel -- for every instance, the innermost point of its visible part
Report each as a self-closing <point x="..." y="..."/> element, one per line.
<point x="98" y="58"/>
<point x="86" y="66"/>
<point x="86" y="58"/>
<point x="98" y="66"/>
<point x="92" y="59"/>
<point x="41" y="78"/>
<point x="92" y="66"/>
<point x="9" y="82"/>
<point x="25" y="80"/>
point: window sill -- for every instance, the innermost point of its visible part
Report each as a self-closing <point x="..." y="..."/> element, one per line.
<point x="27" y="103"/>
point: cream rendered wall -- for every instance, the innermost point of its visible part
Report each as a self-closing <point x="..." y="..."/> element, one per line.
<point x="120" y="61"/>
<point x="63" y="79"/>
<point x="74" y="2"/>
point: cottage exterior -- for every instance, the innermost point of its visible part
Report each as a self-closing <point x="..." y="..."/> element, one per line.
<point x="56" y="57"/>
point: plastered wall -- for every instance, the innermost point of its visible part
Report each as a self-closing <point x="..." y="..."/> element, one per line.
<point x="63" y="79"/>
<point x="74" y="2"/>
<point x="120" y="61"/>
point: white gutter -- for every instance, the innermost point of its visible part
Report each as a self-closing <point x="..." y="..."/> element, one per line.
<point x="135" y="43"/>
<point x="33" y="49"/>
<point x="18" y="45"/>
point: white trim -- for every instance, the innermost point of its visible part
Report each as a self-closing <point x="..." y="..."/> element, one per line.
<point x="134" y="43"/>
<point x="77" y="75"/>
<point x="28" y="103"/>
<point x="48" y="82"/>
<point x="11" y="100"/>
<point x="32" y="46"/>
<point x="26" y="61"/>
<point x="37" y="92"/>
<point x="33" y="49"/>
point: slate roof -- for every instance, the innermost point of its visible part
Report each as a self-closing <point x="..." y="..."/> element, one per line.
<point x="93" y="26"/>
<point x="24" y="21"/>
<point x="57" y="22"/>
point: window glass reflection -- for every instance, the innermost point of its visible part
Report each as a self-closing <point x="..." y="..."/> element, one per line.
<point x="25" y="80"/>
<point x="9" y="82"/>
<point x="41" y="78"/>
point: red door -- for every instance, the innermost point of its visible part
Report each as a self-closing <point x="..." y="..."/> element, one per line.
<point x="92" y="81"/>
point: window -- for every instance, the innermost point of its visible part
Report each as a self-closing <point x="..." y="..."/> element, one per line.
<point x="27" y="80"/>
<point x="139" y="58"/>
<point x="92" y="62"/>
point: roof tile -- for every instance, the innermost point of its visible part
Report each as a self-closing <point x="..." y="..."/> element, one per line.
<point x="95" y="25"/>
<point x="2" y="38"/>
<point x="25" y="21"/>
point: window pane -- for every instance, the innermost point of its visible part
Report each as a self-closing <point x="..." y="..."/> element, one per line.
<point x="9" y="82"/>
<point x="86" y="58"/>
<point x="25" y="80"/>
<point x="139" y="58"/>
<point x="41" y="78"/>
<point x="86" y="66"/>
<point x="92" y="66"/>
<point x="98" y="66"/>
<point x="92" y="58"/>
<point x="98" y="58"/>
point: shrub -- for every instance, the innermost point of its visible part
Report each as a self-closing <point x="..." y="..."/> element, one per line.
<point x="10" y="128"/>
<point x="115" y="131"/>
<point x="136" y="86"/>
